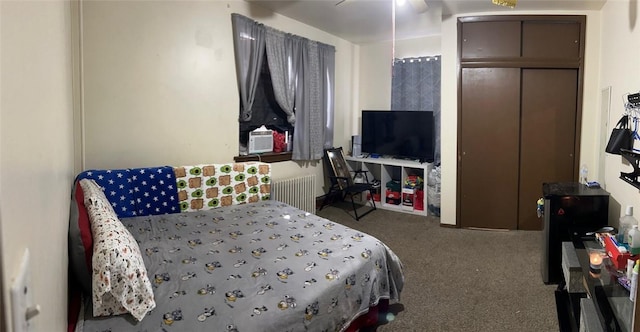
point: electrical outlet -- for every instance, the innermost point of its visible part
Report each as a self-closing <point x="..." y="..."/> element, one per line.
<point x="22" y="309"/>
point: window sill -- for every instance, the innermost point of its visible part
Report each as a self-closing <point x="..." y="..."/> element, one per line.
<point x="265" y="157"/>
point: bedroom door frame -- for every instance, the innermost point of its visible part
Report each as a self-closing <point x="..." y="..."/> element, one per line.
<point x="3" y="308"/>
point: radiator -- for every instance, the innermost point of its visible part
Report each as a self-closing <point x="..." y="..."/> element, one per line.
<point x="298" y="192"/>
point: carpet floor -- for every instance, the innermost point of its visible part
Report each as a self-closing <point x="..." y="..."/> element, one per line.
<point x="460" y="279"/>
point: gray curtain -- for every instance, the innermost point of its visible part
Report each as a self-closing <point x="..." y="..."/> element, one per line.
<point x="327" y="58"/>
<point x="249" y="47"/>
<point x="303" y="105"/>
<point x="314" y="109"/>
<point x="415" y="86"/>
<point x="283" y="56"/>
<point x="303" y="79"/>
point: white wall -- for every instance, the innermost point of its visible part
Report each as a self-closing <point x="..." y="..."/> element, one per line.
<point x="160" y="85"/>
<point x="374" y="80"/>
<point x="374" y="89"/>
<point x="36" y="163"/>
<point x="449" y="121"/>
<point x="620" y="70"/>
<point x="590" y="108"/>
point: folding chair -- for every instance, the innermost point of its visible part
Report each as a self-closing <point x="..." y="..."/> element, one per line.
<point x="342" y="181"/>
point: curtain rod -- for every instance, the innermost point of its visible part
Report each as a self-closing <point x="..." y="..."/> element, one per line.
<point x="420" y="58"/>
<point x="288" y="33"/>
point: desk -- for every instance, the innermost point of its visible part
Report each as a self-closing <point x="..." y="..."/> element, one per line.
<point x="610" y="299"/>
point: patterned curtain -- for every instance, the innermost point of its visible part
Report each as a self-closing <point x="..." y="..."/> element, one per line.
<point x="415" y="86"/>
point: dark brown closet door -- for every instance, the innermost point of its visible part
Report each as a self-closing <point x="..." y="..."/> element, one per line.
<point x="491" y="39"/>
<point x="546" y="40"/>
<point x="548" y="130"/>
<point x="489" y="145"/>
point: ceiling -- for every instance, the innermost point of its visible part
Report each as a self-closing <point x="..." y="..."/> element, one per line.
<point x="366" y="21"/>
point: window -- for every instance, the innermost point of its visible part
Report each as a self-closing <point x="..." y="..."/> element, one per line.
<point x="265" y="112"/>
<point x="302" y="82"/>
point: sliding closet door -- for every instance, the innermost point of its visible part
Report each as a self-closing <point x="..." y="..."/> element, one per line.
<point x="519" y="114"/>
<point x="489" y="147"/>
<point x="548" y="131"/>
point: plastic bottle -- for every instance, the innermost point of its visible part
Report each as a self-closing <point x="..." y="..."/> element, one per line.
<point x="584" y="171"/>
<point x="626" y="222"/>
<point x="634" y="282"/>
<point x="634" y="240"/>
<point x="289" y="142"/>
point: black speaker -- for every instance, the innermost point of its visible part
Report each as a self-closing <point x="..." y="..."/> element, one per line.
<point x="356" y="145"/>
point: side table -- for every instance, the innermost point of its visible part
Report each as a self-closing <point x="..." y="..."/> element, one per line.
<point x="588" y="292"/>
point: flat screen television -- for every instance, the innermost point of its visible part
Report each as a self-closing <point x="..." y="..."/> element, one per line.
<point x="398" y="134"/>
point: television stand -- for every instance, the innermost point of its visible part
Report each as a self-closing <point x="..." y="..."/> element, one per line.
<point x="388" y="169"/>
<point x="422" y="161"/>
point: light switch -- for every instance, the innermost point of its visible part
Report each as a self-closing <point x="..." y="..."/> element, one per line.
<point x="22" y="308"/>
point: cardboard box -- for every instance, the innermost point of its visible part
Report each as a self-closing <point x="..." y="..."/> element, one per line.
<point x="618" y="259"/>
<point x="408" y="195"/>
<point x="392" y="197"/>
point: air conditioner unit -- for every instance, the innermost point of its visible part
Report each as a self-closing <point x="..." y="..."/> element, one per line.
<point x="260" y="141"/>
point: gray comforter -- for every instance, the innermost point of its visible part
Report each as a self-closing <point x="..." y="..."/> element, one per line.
<point x="256" y="267"/>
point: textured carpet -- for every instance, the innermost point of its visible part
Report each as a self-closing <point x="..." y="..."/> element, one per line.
<point x="459" y="279"/>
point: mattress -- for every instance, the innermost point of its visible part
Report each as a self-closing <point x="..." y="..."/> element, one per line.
<point x="265" y="266"/>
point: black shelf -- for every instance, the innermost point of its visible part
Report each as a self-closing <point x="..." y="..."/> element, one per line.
<point x="634" y="160"/>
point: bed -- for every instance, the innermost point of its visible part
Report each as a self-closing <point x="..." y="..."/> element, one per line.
<point x="252" y="266"/>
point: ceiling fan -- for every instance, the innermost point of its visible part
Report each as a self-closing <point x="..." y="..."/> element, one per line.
<point x="506" y="3"/>
<point x="419" y="6"/>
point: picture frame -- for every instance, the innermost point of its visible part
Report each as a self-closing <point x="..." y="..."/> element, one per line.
<point x="339" y="167"/>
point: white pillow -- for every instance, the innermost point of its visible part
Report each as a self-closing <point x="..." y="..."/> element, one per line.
<point x="119" y="280"/>
<point x="90" y="188"/>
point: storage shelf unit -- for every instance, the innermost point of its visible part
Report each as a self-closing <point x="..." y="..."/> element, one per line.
<point x="385" y="170"/>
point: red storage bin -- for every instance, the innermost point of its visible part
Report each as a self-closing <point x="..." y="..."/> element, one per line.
<point x="376" y="197"/>
<point x="418" y="202"/>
